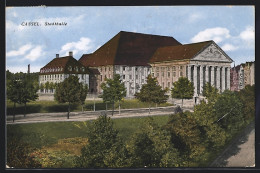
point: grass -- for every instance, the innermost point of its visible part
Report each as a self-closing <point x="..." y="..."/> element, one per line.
<point x="64" y="140"/>
<point x="53" y="106"/>
<point x="49" y="133"/>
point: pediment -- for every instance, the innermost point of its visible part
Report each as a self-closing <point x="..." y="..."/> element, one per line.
<point x="212" y="53"/>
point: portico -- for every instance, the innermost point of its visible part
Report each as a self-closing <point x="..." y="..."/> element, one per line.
<point x="218" y="75"/>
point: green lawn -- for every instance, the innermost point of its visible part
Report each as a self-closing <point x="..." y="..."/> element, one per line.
<point x="42" y="134"/>
<point x="58" y="143"/>
<point x="53" y="106"/>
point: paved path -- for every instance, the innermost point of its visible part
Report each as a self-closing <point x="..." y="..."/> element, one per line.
<point x="241" y="151"/>
<point x="88" y="115"/>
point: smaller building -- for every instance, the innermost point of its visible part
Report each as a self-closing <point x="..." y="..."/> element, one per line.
<point x="249" y="73"/>
<point x="59" y="69"/>
<point x="242" y="75"/>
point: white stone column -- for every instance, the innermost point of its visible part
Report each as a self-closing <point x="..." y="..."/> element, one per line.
<point x="201" y="79"/>
<point x="218" y="78"/>
<point x="195" y="80"/>
<point x="133" y="73"/>
<point x="207" y="74"/>
<point x="212" y="75"/>
<point x="189" y="72"/>
<point x="228" y="78"/>
<point x="223" y="78"/>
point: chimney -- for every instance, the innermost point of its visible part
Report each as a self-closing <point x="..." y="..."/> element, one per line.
<point x="70" y="53"/>
<point x="28" y="68"/>
<point x="57" y="55"/>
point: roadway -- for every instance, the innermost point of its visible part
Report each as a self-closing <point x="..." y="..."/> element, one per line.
<point x="90" y="115"/>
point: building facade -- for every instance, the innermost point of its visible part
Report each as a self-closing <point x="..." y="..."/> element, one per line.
<point x="199" y="62"/>
<point x="242" y="75"/>
<point x="61" y="68"/>
<point x="127" y="54"/>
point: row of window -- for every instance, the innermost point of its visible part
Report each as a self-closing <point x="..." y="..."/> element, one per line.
<point x="168" y="74"/>
<point x="46" y="70"/>
<point x="169" y="68"/>
<point x="70" y="68"/>
<point x="104" y="68"/>
<point x="59" y="77"/>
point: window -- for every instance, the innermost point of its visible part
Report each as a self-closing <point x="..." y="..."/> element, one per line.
<point x="82" y="69"/>
<point x="157" y="68"/>
<point x="181" y="73"/>
<point x="123" y="76"/>
<point x="162" y="74"/>
<point x="130" y="76"/>
<point x="181" y="67"/>
<point x="69" y="68"/>
<point x="100" y="69"/>
<point x="77" y="69"/>
<point x="109" y="69"/>
<point x="136" y="76"/>
<point x="169" y="84"/>
<point x="163" y="85"/>
<point x="105" y="70"/>
<point x="136" y="69"/>
<point x="168" y="68"/>
<point x="123" y="68"/>
<point x="173" y="68"/>
<point x="101" y="77"/>
<point x="157" y="74"/>
<point x="169" y="74"/>
<point x="174" y="74"/>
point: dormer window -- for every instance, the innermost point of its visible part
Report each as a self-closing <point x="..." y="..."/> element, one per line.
<point x="77" y="69"/>
<point x="70" y="68"/>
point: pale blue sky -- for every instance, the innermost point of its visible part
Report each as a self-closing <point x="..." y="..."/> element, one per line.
<point x="231" y="27"/>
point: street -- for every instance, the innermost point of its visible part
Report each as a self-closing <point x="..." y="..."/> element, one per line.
<point x="241" y="151"/>
<point x="89" y="115"/>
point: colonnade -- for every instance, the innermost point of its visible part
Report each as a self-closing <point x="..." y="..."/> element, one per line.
<point x="217" y="76"/>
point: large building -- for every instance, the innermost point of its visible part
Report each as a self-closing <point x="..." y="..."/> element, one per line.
<point x="135" y="55"/>
<point x="199" y="62"/>
<point x="60" y="68"/>
<point x="127" y="54"/>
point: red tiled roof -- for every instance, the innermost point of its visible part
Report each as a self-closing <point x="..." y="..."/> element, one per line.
<point x="61" y="65"/>
<point x="83" y="59"/>
<point x="181" y="52"/>
<point x="128" y="48"/>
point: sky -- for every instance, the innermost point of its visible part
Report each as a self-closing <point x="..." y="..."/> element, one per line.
<point x="88" y="28"/>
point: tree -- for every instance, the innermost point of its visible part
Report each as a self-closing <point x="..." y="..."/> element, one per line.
<point x="69" y="91"/>
<point x="209" y="91"/>
<point x="47" y="86"/>
<point x="182" y="89"/>
<point x="102" y="138"/>
<point x="42" y="87"/>
<point x="29" y="91"/>
<point x="247" y="97"/>
<point x="113" y="91"/>
<point x="185" y="135"/>
<point x="83" y="94"/>
<point x="14" y="93"/>
<point x="152" y="92"/>
<point x="151" y="146"/>
<point x="51" y="86"/>
<point x="229" y="110"/>
<point x="213" y="135"/>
